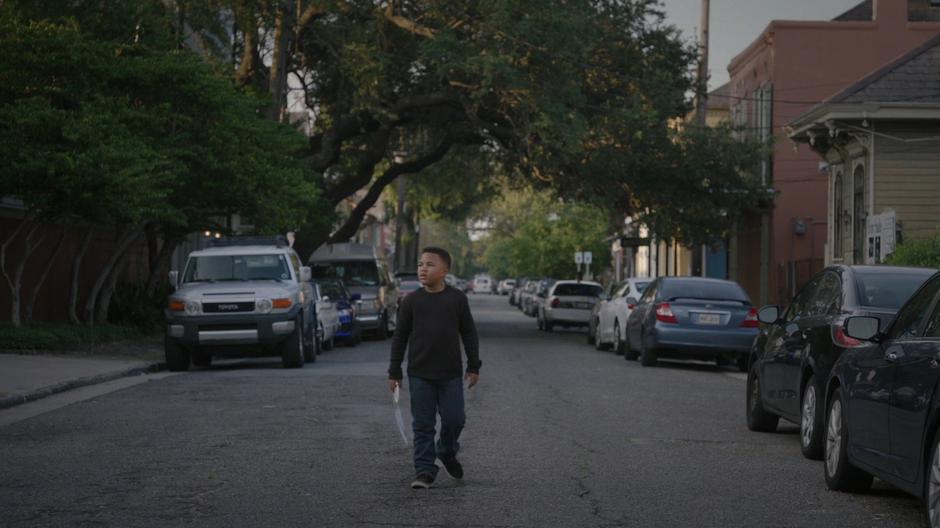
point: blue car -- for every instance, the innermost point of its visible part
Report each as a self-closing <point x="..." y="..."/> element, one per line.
<point x="692" y="318"/>
<point x="349" y="332"/>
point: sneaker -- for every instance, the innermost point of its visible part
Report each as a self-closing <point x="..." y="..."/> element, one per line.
<point x="422" y="481"/>
<point x="453" y="468"/>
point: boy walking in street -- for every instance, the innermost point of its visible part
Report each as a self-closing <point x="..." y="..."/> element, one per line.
<point x="431" y="323"/>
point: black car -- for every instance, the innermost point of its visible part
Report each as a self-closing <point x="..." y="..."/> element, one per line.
<point x="883" y="408"/>
<point x="793" y="355"/>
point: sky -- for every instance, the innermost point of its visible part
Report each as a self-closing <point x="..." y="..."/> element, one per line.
<point x="736" y="23"/>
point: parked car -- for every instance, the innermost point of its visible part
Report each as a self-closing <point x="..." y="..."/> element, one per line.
<point x="795" y="350"/>
<point x="242" y="294"/>
<point x="528" y="291"/>
<point x="482" y="284"/>
<point x="609" y="326"/>
<point x="348" y="332"/>
<point x="692" y="318"/>
<point x="327" y="316"/>
<point x="568" y="303"/>
<point x="365" y="272"/>
<point x="407" y="283"/>
<point x="882" y="403"/>
<point x="515" y="296"/>
<point x="506" y="286"/>
<point x="532" y="300"/>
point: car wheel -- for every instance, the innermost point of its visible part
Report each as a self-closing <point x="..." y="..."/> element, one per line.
<point x="177" y="357"/>
<point x="618" y="341"/>
<point x="311" y="346"/>
<point x="201" y="358"/>
<point x="841" y="475"/>
<point x="629" y="353"/>
<point x="811" y="427"/>
<point x="758" y="419"/>
<point x="932" y="495"/>
<point x="647" y="357"/>
<point x="292" y="350"/>
<point x="598" y="342"/>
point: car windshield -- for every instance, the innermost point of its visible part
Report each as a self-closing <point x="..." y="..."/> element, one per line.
<point x="212" y="268"/>
<point x="887" y="290"/>
<point x="333" y="290"/>
<point x="706" y="290"/>
<point x="579" y="290"/>
<point x="352" y="273"/>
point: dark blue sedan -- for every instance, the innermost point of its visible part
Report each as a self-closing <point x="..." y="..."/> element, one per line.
<point x="883" y="408"/>
<point x="692" y="318"/>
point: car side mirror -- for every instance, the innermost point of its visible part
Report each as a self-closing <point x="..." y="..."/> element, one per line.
<point x="174" y="277"/>
<point x="769" y="314"/>
<point x="305" y="274"/>
<point x="863" y="328"/>
<point x="355" y="297"/>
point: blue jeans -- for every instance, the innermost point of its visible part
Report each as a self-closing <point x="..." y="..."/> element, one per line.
<point x="428" y="398"/>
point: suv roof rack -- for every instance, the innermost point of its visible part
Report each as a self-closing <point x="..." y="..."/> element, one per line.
<point x="275" y="240"/>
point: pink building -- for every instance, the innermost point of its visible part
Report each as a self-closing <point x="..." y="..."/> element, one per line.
<point x="788" y="69"/>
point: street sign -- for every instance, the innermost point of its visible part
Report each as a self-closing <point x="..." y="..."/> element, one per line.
<point x="588" y="257"/>
<point x="579" y="258"/>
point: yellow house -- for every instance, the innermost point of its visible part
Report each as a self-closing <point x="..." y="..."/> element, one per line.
<point x="879" y="140"/>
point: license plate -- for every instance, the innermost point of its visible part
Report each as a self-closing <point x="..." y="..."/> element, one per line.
<point x="709" y="319"/>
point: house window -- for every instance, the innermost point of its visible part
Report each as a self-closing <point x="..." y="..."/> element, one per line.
<point x="859" y="216"/>
<point x="837" y="218"/>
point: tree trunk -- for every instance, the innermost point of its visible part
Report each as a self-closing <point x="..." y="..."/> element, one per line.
<point x="76" y="271"/>
<point x="277" y="81"/>
<point x="50" y="261"/>
<point x="126" y="240"/>
<point x="248" y="71"/>
<point x="107" y="292"/>
<point x="14" y="293"/>
<point x="15" y="283"/>
<point x="161" y="266"/>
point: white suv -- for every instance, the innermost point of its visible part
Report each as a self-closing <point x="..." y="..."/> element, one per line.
<point x="241" y="291"/>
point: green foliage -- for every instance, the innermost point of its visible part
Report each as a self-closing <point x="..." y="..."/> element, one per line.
<point x="919" y="252"/>
<point x="535" y="234"/>
<point x="51" y="336"/>
<point x="127" y="134"/>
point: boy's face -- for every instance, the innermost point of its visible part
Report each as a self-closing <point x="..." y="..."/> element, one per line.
<point x="431" y="269"/>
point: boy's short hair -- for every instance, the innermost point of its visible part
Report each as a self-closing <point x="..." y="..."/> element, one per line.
<point x="440" y="252"/>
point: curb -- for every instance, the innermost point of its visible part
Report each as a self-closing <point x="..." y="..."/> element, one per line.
<point x="17" y="399"/>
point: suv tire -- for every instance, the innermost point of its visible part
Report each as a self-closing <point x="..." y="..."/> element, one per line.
<point x="201" y="358"/>
<point x="292" y="349"/>
<point x="177" y="357"/>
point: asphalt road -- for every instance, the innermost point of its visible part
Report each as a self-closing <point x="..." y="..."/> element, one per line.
<point x="558" y="434"/>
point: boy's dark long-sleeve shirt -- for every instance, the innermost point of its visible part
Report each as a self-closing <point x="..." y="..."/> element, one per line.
<point x="431" y="326"/>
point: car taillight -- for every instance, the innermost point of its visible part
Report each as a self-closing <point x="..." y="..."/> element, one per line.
<point x="842" y="340"/>
<point x="751" y="320"/>
<point x="631" y="306"/>
<point x="664" y="314"/>
<point x="556" y="302"/>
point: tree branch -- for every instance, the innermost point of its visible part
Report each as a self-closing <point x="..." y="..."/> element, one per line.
<point x="355" y="219"/>
<point x="408" y="25"/>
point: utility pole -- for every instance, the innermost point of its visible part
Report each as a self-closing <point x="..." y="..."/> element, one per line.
<point x="702" y="104"/>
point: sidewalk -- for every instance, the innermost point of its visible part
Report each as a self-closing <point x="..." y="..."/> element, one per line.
<point x="31" y="376"/>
